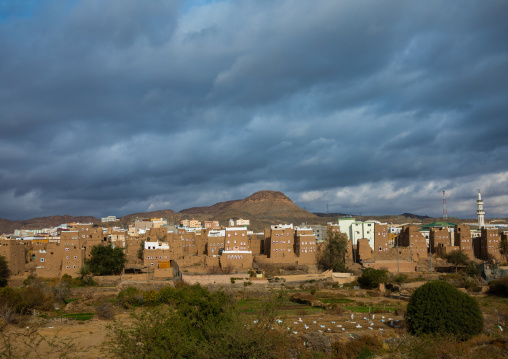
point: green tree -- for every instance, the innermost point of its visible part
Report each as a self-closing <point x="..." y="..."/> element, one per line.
<point x="457" y="258"/>
<point x="438" y="308"/>
<point x="140" y="250"/>
<point x="334" y="254"/>
<point x="371" y="277"/>
<point x="503" y="248"/>
<point x="5" y="273"/>
<point x="106" y="260"/>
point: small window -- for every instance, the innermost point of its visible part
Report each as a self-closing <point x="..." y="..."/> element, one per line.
<point x="42" y="259"/>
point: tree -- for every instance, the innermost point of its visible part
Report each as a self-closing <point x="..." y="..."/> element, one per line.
<point x="438" y="308"/>
<point x="334" y="254"/>
<point x="106" y="260"/>
<point x="371" y="277"/>
<point x="457" y="258"/>
<point x="141" y="250"/>
<point x="503" y="248"/>
<point x="4" y="271"/>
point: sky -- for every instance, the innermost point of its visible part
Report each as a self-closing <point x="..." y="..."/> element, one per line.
<point x="372" y="107"/>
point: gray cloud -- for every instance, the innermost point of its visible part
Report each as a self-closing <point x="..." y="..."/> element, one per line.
<point x="118" y="107"/>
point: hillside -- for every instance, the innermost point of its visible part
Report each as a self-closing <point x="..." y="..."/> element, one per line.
<point x="262" y="208"/>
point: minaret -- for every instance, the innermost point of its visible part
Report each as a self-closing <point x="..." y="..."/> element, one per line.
<point x="480" y="212"/>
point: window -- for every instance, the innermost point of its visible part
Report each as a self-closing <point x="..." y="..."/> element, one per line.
<point x="42" y="259"/>
<point x="75" y="257"/>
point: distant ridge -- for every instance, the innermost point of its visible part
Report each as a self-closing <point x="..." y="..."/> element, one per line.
<point x="411" y="215"/>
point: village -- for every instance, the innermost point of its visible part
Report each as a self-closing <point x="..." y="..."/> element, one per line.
<point x="163" y="250"/>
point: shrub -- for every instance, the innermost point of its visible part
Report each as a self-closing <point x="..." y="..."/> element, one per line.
<point x="104" y="310"/>
<point x="472" y="269"/>
<point x="130" y="297"/>
<point x="438" y="308"/>
<point x="364" y="346"/>
<point x="167" y="295"/>
<point x="400" y="278"/>
<point x="204" y="325"/>
<point x="151" y="297"/>
<point x="371" y="278"/>
<point x="499" y="287"/>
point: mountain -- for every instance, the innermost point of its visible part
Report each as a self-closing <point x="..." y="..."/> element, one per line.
<point x="8" y="226"/>
<point x="263" y="208"/>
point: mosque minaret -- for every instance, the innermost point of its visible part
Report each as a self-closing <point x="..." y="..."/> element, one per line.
<point x="480" y="212"/>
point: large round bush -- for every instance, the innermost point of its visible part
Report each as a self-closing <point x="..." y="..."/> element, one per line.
<point x="439" y="308"/>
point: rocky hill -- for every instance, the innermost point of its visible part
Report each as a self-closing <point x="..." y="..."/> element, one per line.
<point x="262" y="208"/>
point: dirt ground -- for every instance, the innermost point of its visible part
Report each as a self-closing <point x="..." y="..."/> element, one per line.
<point x="84" y="339"/>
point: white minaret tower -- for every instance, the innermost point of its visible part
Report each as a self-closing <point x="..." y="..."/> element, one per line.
<point x="480" y="212"/>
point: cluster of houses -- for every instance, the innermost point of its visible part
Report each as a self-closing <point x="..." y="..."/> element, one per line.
<point x="156" y="246"/>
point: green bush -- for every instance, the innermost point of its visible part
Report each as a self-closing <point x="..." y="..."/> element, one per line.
<point x="499" y="287"/>
<point x="167" y="295"/>
<point x="151" y="297"/>
<point x="472" y="269"/>
<point x="371" y="278"/>
<point x="199" y="324"/>
<point x="130" y="297"/>
<point x="400" y="278"/>
<point x="438" y="308"/>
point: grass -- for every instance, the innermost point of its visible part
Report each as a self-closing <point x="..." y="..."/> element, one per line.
<point x="67" y="301"/>
<point x="78" y="316"/>
<point x="336" y="300"/>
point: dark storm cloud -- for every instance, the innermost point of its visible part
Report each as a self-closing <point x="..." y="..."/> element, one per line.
<point x="124" y="106"/>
